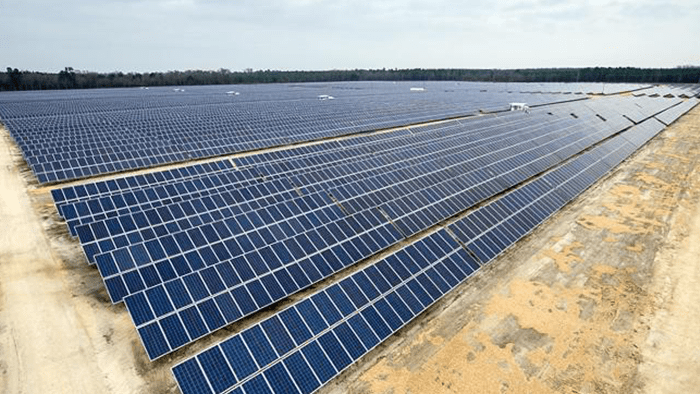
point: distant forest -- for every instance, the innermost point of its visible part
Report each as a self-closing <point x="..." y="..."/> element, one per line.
<point x="69" y="78"/>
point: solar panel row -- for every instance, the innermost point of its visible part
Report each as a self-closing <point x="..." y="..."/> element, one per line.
<point x="98" y="201"/>
<point x="81" y="192"/>
<point x="682" y="91"/>
<point x="670" y="116"/>
<point x="304" y="346"/>
<point x="617" y="109"/>
<point x="611" y="108"/>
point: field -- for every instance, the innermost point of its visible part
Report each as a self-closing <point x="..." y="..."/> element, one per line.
<point x="596" y="298"/>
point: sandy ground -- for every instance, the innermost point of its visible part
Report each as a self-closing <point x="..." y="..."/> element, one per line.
<point x="599" y="299"/>
<point x="58" y="331"/>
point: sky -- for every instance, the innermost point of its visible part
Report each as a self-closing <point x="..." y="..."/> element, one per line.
<point x="162" y="35"/>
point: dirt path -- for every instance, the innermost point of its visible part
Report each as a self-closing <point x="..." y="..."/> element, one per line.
<point x="671" y="353"/>
<point x="57" y="332"/>
<point x="602" y="299"/>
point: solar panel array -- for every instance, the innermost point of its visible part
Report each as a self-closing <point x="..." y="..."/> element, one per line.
<point x="193" y="249"/>
<point x="304" y="346"/>
<point x="76" y="134"/>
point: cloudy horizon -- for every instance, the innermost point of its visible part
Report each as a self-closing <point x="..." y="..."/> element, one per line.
<point x="161" y="35"/>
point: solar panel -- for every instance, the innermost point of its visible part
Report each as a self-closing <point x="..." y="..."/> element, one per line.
<point x="80" y="192"/>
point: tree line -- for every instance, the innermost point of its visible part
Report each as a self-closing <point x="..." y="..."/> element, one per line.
<point x="69" y="78"/>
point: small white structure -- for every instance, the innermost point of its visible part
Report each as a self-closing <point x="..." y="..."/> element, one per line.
<point x="417" y="89"/>
<point x="233" y="93"/>
<point x="519" y="107"/>
<point x="325" y="97"/>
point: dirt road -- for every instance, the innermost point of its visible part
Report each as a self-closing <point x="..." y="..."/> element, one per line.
<point x="58" y="331"/>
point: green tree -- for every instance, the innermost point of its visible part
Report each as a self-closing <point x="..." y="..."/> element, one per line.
<point x="15" y="78"/>
<point x="66" y="78"/>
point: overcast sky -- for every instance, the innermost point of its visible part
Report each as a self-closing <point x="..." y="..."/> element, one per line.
<point x="160" y="35"/>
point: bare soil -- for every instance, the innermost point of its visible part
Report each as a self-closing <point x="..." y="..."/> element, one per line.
<point x="601" y="298"/>
<point x="59" y="333"/>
